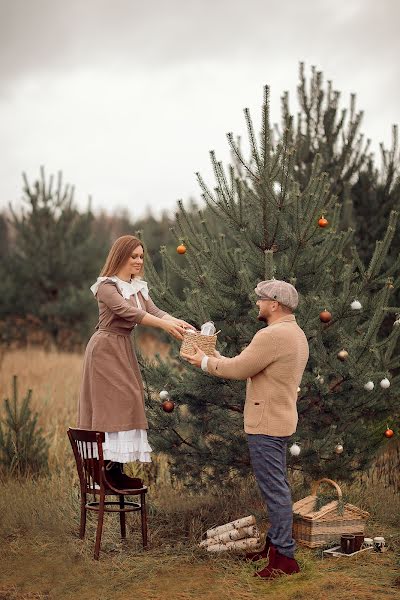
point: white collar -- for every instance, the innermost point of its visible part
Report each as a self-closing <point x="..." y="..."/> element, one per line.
<point x="127" y="288"/>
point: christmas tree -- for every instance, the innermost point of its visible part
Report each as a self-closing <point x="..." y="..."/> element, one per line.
<point x="282" y="214"/>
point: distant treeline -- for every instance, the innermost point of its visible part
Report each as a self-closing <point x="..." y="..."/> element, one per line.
<point x="51" y="253"/>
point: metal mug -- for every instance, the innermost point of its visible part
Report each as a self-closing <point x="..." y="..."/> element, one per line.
<point x="379" y="544"/>
<point x="358" y="542"/>
<point x="347" y="543"/>
<point x="368" y="542"/>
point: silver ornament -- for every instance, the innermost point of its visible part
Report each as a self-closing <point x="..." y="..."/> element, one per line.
<point x="369" y="386"/>
<point x="338" y="448"/>
<point x="294" y="449"/>
<point x="384" y="383"/>
<point x="164" y="395"/>
<point x="356" y="305"/>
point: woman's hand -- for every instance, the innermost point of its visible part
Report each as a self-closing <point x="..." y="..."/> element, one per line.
<point x="179" y="322"/>
<point x="183" y="324"/>
<point x="173" y="329"/>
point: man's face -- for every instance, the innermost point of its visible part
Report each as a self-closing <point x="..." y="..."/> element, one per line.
<point x="266" y="309"/>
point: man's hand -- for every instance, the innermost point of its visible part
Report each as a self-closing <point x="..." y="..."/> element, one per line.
<point x="195" y="359"/>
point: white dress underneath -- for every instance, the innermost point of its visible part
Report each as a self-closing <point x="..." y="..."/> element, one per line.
<point x="126" y="446"/>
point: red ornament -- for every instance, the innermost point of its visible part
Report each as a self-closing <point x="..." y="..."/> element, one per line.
<point x="168" y="406"/>
<point x="322" y="222"/>
<point x="181" y="249"/>
<point x="325" y="316"/>
<point x="389" y="433"/>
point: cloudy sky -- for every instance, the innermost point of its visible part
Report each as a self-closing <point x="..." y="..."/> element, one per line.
<point x="128" y="97"/>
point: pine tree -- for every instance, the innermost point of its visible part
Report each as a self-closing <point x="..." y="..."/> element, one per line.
<point x="269" y="207"/>
<point x="55" y="257"/>
<point x="23" y="448"/>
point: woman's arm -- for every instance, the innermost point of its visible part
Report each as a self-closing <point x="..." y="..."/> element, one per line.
<point x="157" y="312"/>
<point x="169" y="326"/>
<point x="109" y="295"/>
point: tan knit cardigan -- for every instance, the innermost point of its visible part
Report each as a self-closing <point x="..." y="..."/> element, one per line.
<point x="273" y="363"/>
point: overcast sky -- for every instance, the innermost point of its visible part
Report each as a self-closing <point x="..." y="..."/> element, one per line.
<point x="128" y="97"/>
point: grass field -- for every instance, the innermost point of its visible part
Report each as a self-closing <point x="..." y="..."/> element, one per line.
<point x="42" y="557"/>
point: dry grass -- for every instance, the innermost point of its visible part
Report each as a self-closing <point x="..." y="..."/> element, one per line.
<point x="42" y="558"/>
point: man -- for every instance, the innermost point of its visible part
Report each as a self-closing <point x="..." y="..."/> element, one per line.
<point x="273" y="363"/>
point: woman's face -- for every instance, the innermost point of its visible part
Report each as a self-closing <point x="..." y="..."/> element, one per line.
<point x="135" y="261"/>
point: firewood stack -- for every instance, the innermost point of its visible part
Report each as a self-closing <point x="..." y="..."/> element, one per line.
<point x="241" y="534"/>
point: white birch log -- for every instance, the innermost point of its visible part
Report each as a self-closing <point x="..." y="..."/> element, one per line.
<point x="238" y="524"/>
<point x="237" y="534"/>
<point x="245" y="544"/>
<point x="233" y="534"/>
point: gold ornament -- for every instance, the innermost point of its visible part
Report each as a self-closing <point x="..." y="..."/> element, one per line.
<point x="343" y="355"/>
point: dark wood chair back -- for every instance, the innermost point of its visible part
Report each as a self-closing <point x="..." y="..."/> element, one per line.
<point x="87" y="447"/>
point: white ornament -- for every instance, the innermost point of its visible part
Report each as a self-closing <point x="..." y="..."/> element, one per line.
<point x="397" y="321"/>
<point x="298" y="390"/>
<point x="369" y="386"/>
<point x="338" y="448"/>
<point x="320" y="379"/>
<point x="277" y="187"/>
<point x="385" y="383"/>
<point x="294" y="450"/>
<point x="164" y="395"/>
<point x="356" y="305"/>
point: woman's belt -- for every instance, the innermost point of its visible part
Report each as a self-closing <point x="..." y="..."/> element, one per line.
<point x="115" y="331"/>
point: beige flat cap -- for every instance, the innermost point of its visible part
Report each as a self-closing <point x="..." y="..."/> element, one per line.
<point x="281" y="291"/>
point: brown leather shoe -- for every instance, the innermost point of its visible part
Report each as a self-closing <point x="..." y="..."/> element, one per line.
<point x="259" y="554"/>
<point x="278" y="565"/>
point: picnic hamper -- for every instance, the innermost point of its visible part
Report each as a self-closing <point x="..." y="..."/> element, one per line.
<point x="314" y="528"/>
<point x="206" y="343"/>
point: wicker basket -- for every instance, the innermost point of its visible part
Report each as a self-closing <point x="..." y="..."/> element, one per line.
<point x="314" y="528"/>
<point x="206" y="343"/>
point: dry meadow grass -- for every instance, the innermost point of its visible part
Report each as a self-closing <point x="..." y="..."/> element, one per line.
<point x="41" y="556"/>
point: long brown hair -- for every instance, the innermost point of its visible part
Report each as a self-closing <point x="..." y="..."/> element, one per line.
<point x="120" y="251"/>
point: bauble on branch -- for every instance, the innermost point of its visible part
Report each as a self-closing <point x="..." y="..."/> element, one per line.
<point x="322" y="222"/>
<point x="343" y="355"/>
<point x="325" y="316"/>
<point x="384" y="383"/>
<point x="389" y="432"/>
<point x="295" y="449"/>
<point x="356" y="305"/>
<point x="369" y="386"/>
<point x="181" y="249"/>
<point x="168" y="406"/>
<point x="164" y="395"/>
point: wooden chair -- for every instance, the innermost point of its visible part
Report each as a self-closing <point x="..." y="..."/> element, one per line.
<point x="96" y="480"/>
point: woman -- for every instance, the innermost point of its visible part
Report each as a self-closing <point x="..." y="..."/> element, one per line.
<point x="111" y="397"/>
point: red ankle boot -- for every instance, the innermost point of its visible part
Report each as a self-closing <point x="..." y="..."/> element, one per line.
<point x="278" y="565"/>
<point x="257" y="555"/>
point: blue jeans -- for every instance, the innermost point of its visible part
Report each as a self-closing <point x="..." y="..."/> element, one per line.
<point x="268" y="459"/>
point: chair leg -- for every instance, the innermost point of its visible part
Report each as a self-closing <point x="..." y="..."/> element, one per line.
<point x="82" y="527"/>
<point x="122" y="516"/>
<point x="100" y="519"/>
<point x="143" y="515"/>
